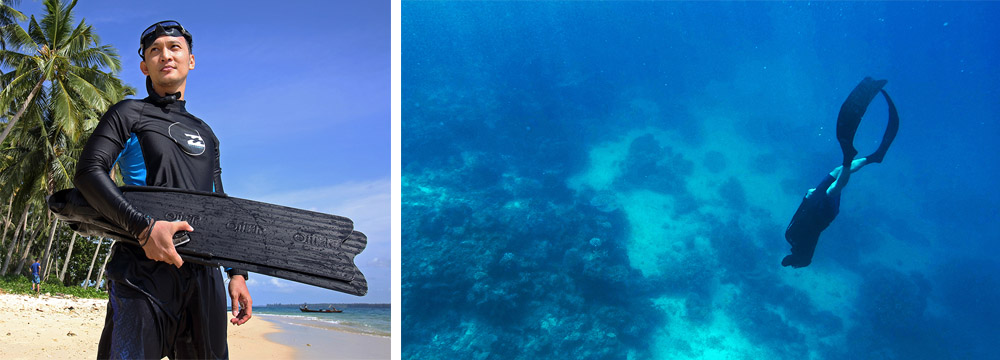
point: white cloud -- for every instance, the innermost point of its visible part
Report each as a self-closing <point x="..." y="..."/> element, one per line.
<point x="379" y="262"/>
<point x="366" y="203"/>
<point x="278" y="284"/>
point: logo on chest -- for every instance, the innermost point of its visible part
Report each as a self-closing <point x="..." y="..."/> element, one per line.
<point x="188" y="139"/>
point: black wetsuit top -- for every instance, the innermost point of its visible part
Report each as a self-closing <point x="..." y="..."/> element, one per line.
<point x="814" y="215"/>
<point x="165" y="145"/>
<point x="159" y="144"/>
<point x="155" y="143"/>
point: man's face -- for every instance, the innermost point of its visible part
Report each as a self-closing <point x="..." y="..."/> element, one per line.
<point x="168" y="61"/>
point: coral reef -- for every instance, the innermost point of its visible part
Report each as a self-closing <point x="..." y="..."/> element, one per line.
<point x="649" y="165"/>
<point x="488" y="274"/>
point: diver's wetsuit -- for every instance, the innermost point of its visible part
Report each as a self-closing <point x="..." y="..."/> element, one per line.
<point x="814" y="215"/>
<point x="155" y="309"/>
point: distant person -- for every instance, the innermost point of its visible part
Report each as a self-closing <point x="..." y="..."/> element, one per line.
<point x="822" y="204"/>
<point x="36" y="277"/>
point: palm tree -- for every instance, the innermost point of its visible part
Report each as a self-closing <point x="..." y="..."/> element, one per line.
<point x="69" y="255"/>
<point x="100" y="240"/>
<point x="31" y="234"/>
<point x="6" y="222"/>
<point x="21" y="224"/>
<point x="106" y="257"/>
<point x="69" y="58"/>
<point x="70" y="61"/>
<point x="20" y="175"/>
<point x="8" y="16"/>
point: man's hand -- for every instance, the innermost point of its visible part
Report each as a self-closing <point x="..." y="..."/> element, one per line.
<point x="160" y="244"/>
<point x="242" y="303"/>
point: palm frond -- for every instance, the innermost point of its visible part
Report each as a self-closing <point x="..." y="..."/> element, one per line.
<point x="16" y="38"/>
<point x="80" y="84"/>
<point x="36" y="33"/>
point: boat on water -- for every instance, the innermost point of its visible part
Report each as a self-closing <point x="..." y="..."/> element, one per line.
<point x="305" y="308"/>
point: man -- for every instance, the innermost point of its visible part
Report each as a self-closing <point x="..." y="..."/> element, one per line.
<point x="36" y="279"/>
<point x="158" y="305"/>
<point x="822" y="204"/>
<point x="818" y="209"/>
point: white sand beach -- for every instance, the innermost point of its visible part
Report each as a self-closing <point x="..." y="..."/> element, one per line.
<point x="64" y="327"/>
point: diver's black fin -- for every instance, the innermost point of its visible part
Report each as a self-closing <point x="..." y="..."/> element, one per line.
<point x="851" y="112"/>
<point x="890" y="131"/>
<point x="293" y="244"/>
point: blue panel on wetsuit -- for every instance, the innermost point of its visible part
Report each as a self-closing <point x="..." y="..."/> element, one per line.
<point x="131" y="163"/>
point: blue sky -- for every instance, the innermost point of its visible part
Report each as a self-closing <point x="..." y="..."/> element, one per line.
<point x="298" y="95"/>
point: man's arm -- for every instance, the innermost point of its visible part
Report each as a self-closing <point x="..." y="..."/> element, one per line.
<point x="238" y="292"/>
<point x="217" y="172"/>
<point x="217" y="187"/>
<point x="96" y="161"/>
<point x="242" y="303"/>
<point x="96" y="186"/>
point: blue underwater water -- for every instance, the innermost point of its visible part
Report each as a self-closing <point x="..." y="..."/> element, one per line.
<point x="612" y="180"/>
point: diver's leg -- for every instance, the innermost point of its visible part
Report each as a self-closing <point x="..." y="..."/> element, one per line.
<point x="843" y="177"/>
<point x="859" y="163"/>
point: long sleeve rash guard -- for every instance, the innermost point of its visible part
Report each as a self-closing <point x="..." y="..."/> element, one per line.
<point x="154" y="144"/>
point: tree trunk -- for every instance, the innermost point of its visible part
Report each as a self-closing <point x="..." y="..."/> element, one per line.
<point x="27" y="250"/>
<point x="101" y="273"/>
<point x="13" y="120"/>
<point x="48" y="247"/>
<point x="6" y="220"/>
<point x="13" y="245"/>
<point x="46" y="270"/>
<point x="56" y="262"/>
<point x="92" y="261"/>
<point x="69" y="254"/>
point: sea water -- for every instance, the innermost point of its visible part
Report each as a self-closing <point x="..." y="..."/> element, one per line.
<point x="364" y="319"/>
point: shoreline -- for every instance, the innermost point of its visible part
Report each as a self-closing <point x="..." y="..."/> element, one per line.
<point x="312" y="340"/>
<point x="321" y="324"/>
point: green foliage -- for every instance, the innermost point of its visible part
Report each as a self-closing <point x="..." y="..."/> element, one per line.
<point x="18" y="284"/>
<point x="80" y="81"/>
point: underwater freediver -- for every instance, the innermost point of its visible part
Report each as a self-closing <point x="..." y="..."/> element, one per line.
<point x="822" y="204"/>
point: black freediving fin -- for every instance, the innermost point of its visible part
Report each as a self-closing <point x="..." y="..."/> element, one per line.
<point x="890" y="132"/>
<point x="357" y="286"/>
<point x="289" y="243"/>
<point x="851" y="112"/>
